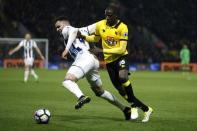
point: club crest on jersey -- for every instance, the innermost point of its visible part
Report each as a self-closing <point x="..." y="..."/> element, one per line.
<point x="111" y="41"/>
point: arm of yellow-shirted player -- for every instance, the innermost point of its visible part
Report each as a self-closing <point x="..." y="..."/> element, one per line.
<point x="93" y="29"/>
<point x="92" y="38"/>
<point x="119" y="50"/>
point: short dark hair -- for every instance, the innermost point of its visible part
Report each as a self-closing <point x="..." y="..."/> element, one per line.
<point x="60" y="18"/>
<point x="114" y="8"/>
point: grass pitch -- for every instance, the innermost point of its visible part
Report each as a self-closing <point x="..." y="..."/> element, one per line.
<point x="172" y="95"/>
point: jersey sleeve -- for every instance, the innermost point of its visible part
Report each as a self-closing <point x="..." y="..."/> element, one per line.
<point x="65" y="32"/>
<point x="91" y="29"/>
<point x="21" y="43"/>
<point x="72" y="34"/>
<point x="34" y="44"/>
<point x="124" y="33"/>
<point x="88" y="30"/>
<point x="97" y="28"/>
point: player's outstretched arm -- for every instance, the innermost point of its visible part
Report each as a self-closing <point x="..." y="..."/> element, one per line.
<point x="72" y="36"/>
<point x="14" y="50"/>
<point x="39" y="52"/>
<point x="119" y="50"/>
<point x="64" y="54"/>
<point x="88" y="38"/>
<point x="92" y="37"/>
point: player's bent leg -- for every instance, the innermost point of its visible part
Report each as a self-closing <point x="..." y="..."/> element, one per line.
<point x="33" y="73"/>
<point x="71" y="85"/>
<point x="123" y="77"/>
<point x="96" y="86"/>
<point x="135" y="102"/>
<point x="113" y="100"/>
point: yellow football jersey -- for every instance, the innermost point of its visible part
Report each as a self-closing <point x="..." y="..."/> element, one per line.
<point x="111" y="37"/>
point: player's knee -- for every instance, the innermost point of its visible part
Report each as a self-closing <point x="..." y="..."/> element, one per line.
<point x="71" y="77"/>
<point x="123" y="78"/>
<point x="65" y="83"/>
<point x="95" y="84"/>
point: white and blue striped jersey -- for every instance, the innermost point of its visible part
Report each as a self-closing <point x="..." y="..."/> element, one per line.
<point x="78" y="46"/>
<point x="28" y="48"/>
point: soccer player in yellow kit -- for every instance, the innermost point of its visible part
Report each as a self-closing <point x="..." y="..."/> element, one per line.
<point x="114" y="36"/>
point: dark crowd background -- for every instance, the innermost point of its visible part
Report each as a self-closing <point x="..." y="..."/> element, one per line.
<point x="157" y="28"/>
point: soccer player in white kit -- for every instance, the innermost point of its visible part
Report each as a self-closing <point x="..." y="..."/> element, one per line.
<point x="85" y="65"/>
<point x="28" y="44"/>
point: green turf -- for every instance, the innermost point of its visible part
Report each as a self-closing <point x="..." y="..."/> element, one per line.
<point x="172" y="95"/>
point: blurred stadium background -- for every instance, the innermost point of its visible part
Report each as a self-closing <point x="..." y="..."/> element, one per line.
<point x="157" y="29"/>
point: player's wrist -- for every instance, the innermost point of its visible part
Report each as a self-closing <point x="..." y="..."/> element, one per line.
<point x="84" y="37"/>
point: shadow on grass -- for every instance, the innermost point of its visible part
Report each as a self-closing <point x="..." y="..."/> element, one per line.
<point x="85" y="118"/>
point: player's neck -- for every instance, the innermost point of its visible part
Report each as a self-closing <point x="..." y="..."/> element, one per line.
<point x="113" y="23"/>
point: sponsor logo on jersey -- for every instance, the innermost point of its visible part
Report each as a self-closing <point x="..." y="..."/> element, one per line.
<point x="111" y="41"/>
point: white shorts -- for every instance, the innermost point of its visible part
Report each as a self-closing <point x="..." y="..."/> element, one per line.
<point x="86" y="65"/>
<point x="29" y="61"/>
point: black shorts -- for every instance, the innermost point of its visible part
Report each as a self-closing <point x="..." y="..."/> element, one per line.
<point x="120" y="63"/>
<point x="113" y="69"/>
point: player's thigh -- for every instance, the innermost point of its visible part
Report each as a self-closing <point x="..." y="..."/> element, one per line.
<point x="185" y="62"/>
<point x="123" y="68"/>
<point x="123" y="75"/>
<point x="28" y="62"/>
<point x="75" y="73"/>
<point x="85" y="63"/>
<point x="113" y="74"/>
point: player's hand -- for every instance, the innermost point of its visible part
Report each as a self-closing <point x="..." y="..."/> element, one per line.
<point x="10" y="52"/>
<point x="42" y="57"/>
<point x="64" y="54"/>
<point x="64" y="57"/>
<point x="96" y="50"/>
<point x="79" y="35"/>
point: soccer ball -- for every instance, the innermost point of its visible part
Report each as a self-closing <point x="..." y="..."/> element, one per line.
<point x="42" y="116"/>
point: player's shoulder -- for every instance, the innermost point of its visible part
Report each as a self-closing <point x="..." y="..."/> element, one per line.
<point x="101" y="22"/>
<point x="66" y="30"/>
<point x="123" y="25"/>
<point x="33" y="40"/>
<point x="23" y="40"/>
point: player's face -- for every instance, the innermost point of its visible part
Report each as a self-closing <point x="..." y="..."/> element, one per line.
<point x="59" y="25"/>
<point x="110" y="16"/>
<point x="27" y="36"/>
